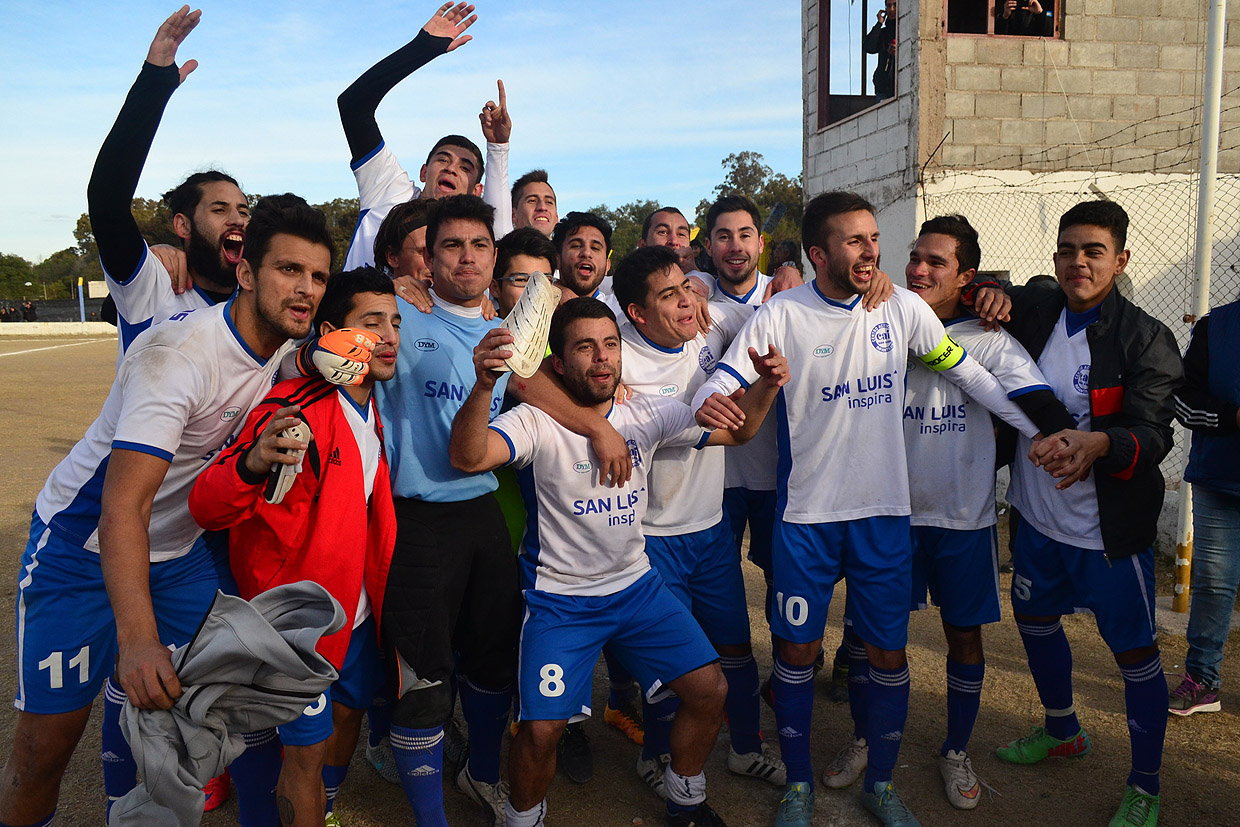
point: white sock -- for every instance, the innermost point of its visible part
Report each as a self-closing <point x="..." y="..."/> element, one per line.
<point x="686" y="791"/>
<point x="532" y="817"/>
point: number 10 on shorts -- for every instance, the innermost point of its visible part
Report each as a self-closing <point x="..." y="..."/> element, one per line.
<point x="794" y="610"/>
<point x="54" y="663"/>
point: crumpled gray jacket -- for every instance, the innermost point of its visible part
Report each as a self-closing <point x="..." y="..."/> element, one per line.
<point x="250" y="666"/>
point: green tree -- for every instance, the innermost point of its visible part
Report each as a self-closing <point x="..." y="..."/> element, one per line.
<point x="15" y="271"/>
<point x="626" y="224"/>
<point x="341" y="221"/>
<point x="154" y="222"/>
<point x="55" y="276"/>
<point x="746" y="173"/>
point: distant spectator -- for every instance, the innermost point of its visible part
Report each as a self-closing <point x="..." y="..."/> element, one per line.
<point x="881" y="41"/>
<point x="1024" y="17"/>
<point x="29" y="313"/>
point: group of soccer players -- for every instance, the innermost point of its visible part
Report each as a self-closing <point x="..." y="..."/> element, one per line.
<point x="271" y="424"/>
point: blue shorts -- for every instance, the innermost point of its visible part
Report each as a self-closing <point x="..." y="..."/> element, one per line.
<point x="757" y="508"/>
<point x="648" y="629"/>
<point x="1050" y="578"/>
<point x="360" y="676"/>
<point x="961" y="570"/>
<point x="66" y="633"/>
<point x="873" y="554"/>
<point x="703" y="571"/>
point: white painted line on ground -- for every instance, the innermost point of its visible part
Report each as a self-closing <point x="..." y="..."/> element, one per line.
<point x="54" y="347"/>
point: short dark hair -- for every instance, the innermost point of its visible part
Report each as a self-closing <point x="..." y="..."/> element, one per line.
<point x="184" y="197"/>
<point x="570" y="223"/>
<point x="731" y="203"/>
<point x="585" y="307"/>
<point x="524" y="242"/>
<point x="1105" y="214"/>
<point x="968" y="251"/>
<point x="286" y="214"/>
<point x="462" y="142"/>
<point x="337" y="301"/>
<point x="629" y="279"/>
<point x="821" y="208"/>
<point x="650" y="218"/>
<point x="534" y="176"/>
<point x="396" y="227"/>
<point x="468" y="207"/>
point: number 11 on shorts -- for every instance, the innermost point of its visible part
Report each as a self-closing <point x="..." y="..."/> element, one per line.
<point x="54" y="663"/>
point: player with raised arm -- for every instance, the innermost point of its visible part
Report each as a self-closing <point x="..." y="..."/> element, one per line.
<point x="209" y="211"/>
<point x="112" y="542"/>
<point x="950" y="443"/>
<point x="587" y="579"/>
<point x="454" y="166"/>
<point x="687" y="539"/>
<point x="1086" y="539"/>
<point x="848" y="370"/>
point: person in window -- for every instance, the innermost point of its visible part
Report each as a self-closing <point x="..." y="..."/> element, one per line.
<point x="1023" y="17"/>
<point x="881" y="41"/>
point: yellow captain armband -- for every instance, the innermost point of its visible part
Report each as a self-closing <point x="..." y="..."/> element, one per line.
<point x="944" y="357"/>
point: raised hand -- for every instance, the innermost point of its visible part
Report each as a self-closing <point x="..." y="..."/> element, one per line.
<point x="452" y="21"/>
<point x="163" y="51"/>
<point x="496" y="122"/>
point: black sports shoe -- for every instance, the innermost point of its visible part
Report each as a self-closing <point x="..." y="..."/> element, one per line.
<point x="575" y="759"/>
<point x="701" y="816"/>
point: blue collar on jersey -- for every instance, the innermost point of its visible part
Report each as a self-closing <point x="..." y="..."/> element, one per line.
<point x="363" y="410"/>
<point x="1076" y="322"/>
<point x="738" y="299"/>
<point x="678" y="349"/>
<point x="842" y="305"/>
<point x="232" y="328"/>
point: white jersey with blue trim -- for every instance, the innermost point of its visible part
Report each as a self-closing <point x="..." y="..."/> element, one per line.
<point x="382" y="184"/>
<point x="583" y="538"/>
<point x="363" y="422"/>
<point x="145" y="297"/>
<point x="949" y="438"/>
<point x="182" y="394"/>
<point x="1069" y="516"/>
<point x="686" y="485"/>
<point x="840" y="417"/>
<point x="752" y="465"/>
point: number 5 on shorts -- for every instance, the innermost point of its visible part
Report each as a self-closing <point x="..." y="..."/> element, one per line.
<point x="1022" y="588"/>
<point x="552" y="683"/>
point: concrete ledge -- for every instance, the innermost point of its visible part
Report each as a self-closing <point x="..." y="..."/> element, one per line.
<point x="57" y="329"/>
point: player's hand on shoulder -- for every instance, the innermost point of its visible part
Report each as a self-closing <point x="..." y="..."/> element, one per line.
<point x="415" y="291"/>
<point x="720" y="412"/>
<point x="881" y="288"/>
<point x="489" y="355"/>
<point x="496" y="122"/>
<point x="341" y="357"/>
<point x="176" y="28"/>
<point x="452" y="21"/>
<point x="146" y="674"/>
<point x="623" y="393"/>
<point x="274" y="448"/>
<point x="772" y="367"/>
<point x="992" y="305"/>
<point x="785" y="278"/>
<point x="701" y="311"/>
<point x="615" y="462"/>
<point x="174" y="262"/>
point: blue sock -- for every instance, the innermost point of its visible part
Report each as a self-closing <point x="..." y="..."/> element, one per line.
<point x="486" y="715"/>
<point x="619" y="679"/>
<point x="887" y="713"/>
<point x="858" y="684"/>
<point x="793" y="687"/>
<point x="120" y="771"/>
<point x="379" y="719"/>
<point x="964" y="696"/>
<point x="44" y="823"/>
<point x="658" y="719"/>
<point x="333" y="777"/>
<point x="254" y="773"/>
<point x="743" y="703"/>
<point x="1145" y="696"/>
<point x="1050" y="662"/>
<point x="419" y="757"/>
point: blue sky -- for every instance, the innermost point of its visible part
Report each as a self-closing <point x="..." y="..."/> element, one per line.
<point x="618" y="100"/>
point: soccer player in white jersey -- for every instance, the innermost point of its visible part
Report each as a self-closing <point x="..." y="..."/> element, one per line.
<point x="950" y="445"/>
<point x="533" y="203"/>
<point x="586" y="577"/>
<point x="114" y="512"/>
<point x="454" y="166"/>
<point x="840" y="413"/>
<point x="209" y="211"/>
<point x="687" y="539"/>
<point x="1087" y="540"/>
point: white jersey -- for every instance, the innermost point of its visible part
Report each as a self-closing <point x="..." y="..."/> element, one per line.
<point x="840" y="417"/>
<point x="752" y="465"/>
<point x="382" y="184"/>
<point x="182" y="394"/>
<point x="362" y="421"/>
<point x="1069" y="516"/>
<point x="583" y="538"/>
<point x="686" y="485"/>
<point x="145" y="297"/>
<point x="949" y="438"/>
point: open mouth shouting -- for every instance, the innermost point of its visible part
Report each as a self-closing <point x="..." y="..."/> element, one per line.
<point x="232" y="243"/>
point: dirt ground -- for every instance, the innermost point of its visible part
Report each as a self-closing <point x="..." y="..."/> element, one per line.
<point x="53" y="389"/>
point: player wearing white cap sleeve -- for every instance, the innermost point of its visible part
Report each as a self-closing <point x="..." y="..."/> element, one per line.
<point x="587" y="579"/>
<point x="842" y="497"/>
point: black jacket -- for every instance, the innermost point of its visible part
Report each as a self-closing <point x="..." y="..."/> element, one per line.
<point x="1135" y="371"/>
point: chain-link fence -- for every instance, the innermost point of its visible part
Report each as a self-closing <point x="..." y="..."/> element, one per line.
<point x="1017" y="218"/>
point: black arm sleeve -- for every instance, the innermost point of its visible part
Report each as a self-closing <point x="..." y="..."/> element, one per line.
<point x="873" y="41"/>
<point x="114" y="180"/>
<point x="1047" y="412"/>
<point x="1195" y="408"/>
<point x="358" y="103"/>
